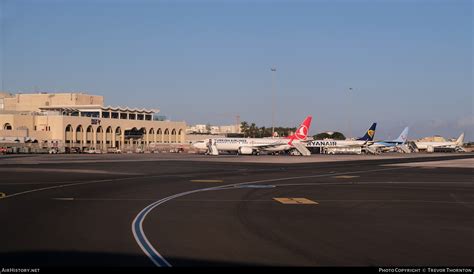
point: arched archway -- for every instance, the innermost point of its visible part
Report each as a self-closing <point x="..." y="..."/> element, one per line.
<point x="143" y="140"/>
<point x="159" y="135"/>
<point x="69" y="135"/>
<point x="108" y="136"/>
<point x="166" y="136"/>
<point x="151" y="137"/>
<point x="118" y="137"/>
<point x="89" y="135"/>
<point x="100" y="137"/>
<point x="7" y="126"/>
<point x="179" y="137"/>
<point x="173" y="136"/>
<point x="79" y="135"/>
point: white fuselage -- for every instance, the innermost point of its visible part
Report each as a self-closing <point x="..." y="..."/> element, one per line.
<point x="386" y="145"/>
<point x="335" y="143"/>
<point x="235" y="144"/>
<point x="425" y="145"/>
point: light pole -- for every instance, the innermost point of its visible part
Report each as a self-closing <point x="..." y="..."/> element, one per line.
<point x="350" y="112"/>
<point x="273" y="69"/>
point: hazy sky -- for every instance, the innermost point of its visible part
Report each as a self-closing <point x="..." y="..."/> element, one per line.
<point x="408" y="62"/>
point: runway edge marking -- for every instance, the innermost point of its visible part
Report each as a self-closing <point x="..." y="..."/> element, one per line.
<point x="158" y="259"/>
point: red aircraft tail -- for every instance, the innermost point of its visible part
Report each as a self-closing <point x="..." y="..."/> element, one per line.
<point x="302" y="132"/>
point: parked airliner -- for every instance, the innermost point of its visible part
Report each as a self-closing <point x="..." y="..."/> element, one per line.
<point x="248" y="146"/>
<point x="391" y="144"/>
<point x="455" y="145"/>
<point x="360" y="142"/>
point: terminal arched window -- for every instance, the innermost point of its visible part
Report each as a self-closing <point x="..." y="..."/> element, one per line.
<point x="7" y="126"/>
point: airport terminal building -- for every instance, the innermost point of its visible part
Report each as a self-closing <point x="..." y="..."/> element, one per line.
<point x="81" y="120"/>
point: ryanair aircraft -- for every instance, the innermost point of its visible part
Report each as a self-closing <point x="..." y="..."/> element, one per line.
<point x="368" y="138"/>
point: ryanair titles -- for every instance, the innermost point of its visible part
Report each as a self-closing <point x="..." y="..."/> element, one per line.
<point x="317" y="143"/>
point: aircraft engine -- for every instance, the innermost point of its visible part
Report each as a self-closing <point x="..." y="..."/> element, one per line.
<point x="245" y="150"/>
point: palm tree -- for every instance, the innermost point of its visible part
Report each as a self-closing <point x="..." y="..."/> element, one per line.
<point x="262" y="132"/>
<point x="253" y="130"/>
<point x="325" y="135"/>
<point x="244" y="128"/>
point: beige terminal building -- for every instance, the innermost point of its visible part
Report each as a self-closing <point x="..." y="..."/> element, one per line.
<point x="81" y="120"/>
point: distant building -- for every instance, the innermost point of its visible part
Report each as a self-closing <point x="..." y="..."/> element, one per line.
<point x="435" y="138"/>
<point x="81" y="120"/>
<point x="230" y="129"/>
<point x="210" y="129"/>
<point x="201" y="129"/>
<point x="215" y="130"/>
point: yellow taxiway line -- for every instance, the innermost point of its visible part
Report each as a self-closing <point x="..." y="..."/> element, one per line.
<point x="296" y="201"/>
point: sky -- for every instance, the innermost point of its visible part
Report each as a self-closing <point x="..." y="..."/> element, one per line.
<point x="347" y="63"/>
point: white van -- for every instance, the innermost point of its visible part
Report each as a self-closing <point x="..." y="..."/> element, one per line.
<point x="93" y="151"/>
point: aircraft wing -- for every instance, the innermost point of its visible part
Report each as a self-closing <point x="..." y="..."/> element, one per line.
<point x="366" y="143"/>
<point x="265" y="146"/>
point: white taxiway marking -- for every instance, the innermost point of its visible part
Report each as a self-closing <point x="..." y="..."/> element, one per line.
<point x="65" y="185"/>
<point x="466" y="204"/>
<point x="458" y="163"/>
<point x="63" y="170"/>
<point x="158" y="259"/>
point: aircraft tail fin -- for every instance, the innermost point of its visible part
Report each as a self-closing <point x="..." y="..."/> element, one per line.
<point x="403" y="136"/>
<point x="302" y="131"/>
<point x="369" y="135"/>
<point x="460" y="140"/>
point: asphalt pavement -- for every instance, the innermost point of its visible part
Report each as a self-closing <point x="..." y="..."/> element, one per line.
<point x="116" y="211"/>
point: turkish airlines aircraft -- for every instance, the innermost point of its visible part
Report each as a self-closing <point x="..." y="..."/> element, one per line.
<point x="248" y="146"/>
